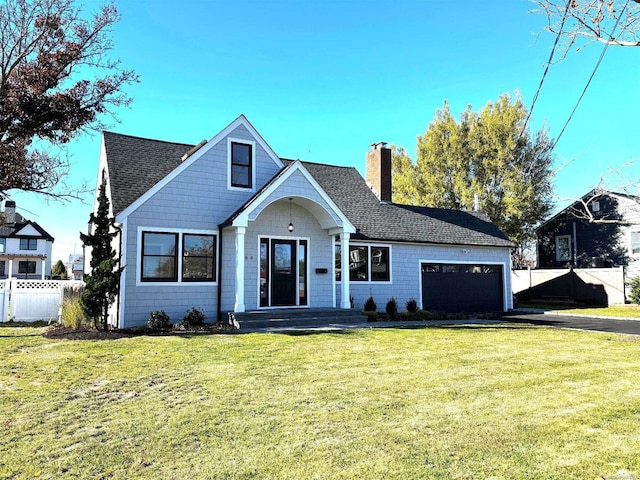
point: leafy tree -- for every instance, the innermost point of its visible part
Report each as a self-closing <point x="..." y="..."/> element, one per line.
<point x="579" y="22"/>
<point x="490" y="154"/>
<point x="59" y="270"/>
<point x="56" y="79"/>
<point x="101" y="285"/>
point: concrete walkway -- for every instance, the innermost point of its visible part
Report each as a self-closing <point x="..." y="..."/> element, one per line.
<point x="337" y="326"/>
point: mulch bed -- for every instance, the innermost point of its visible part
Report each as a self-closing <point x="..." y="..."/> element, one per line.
<point x="86" y="333"/>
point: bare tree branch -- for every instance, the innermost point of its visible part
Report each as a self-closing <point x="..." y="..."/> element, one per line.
<point x="591" y="21"/>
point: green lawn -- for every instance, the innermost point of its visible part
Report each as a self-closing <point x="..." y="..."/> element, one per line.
<point x="501" y="402"/>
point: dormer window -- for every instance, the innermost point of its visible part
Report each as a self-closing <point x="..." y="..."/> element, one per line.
<point x="241" y="163"/>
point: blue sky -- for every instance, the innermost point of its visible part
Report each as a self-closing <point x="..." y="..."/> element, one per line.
<point x="323" y="80"/>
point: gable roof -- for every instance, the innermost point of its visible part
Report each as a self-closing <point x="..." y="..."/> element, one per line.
<point x="572" y="210"/>
<point x="13" y="230"/>
<point x="375" y="220"/>
<point x="137" y="164"/>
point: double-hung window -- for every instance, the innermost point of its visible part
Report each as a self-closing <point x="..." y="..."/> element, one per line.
<point x="241" y="165"/>
<point x="198" y="258"/>
<point x="159" y="259"/>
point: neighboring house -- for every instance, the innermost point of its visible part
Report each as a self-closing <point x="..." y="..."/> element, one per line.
<point x="600" y="230"/>
<point x="25" y="247"/>
<point x="228" y="225"/>
<point x="75" y="267"/>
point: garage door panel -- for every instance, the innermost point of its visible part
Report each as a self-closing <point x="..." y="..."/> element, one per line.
<point x="462" y="288"/>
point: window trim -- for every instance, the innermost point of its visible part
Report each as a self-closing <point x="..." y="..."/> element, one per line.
<point x="252" y="166"/>
<point x="369" y="246"/>
<point x="29" y="240"/>
<point x="558" y="238"/>
<point x="180" y="232"/>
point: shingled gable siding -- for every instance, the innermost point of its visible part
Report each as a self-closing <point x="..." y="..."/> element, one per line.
<point x="406" y="272"/>
<point x="197" y="199"/>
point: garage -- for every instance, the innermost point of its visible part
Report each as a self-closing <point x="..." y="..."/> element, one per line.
<point x="456" y="288"/>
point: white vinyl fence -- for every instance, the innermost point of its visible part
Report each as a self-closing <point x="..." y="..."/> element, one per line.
<point x="32" y="300"/>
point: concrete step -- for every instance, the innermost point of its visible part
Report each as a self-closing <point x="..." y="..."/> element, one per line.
<point x="285" y="318"/>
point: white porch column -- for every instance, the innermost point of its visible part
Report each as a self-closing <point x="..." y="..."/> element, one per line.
<point x="239" y="305"/>
<point x="43" y="262"/>
<point x="345" y="301"/>
<point x="10" y="268"/>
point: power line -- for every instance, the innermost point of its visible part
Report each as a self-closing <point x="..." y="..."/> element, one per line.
<point x="595" y="69"/>
<point x="546" y="69"/>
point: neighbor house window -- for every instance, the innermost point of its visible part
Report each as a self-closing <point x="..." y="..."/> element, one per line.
<point x="241" y="165"/>
<point x="26" y="267"/>
<point x="3" y="245"/>
<point x="635" y="243"/>
<point x="28" y="244"/>
<point x="198" y="258"/>
<point x="366" y="263"/>
<point x="563" y="248"/>
<point x="159" y="259"/>
<point x="2" y="274"/>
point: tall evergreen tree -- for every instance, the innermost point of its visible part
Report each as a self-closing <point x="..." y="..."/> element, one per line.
<point x="59" y="270"/>
<point x="490" y="154"/>
<point x="101" y="284"/>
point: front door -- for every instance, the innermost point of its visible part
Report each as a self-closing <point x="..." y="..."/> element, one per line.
<point x="283" y="272"/>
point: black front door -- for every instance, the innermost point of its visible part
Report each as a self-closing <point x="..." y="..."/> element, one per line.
<point x="283" y="273"/>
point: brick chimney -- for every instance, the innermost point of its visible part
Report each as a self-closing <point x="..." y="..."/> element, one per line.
<point x="379" y="171"/>
<point x="10" y="211"/>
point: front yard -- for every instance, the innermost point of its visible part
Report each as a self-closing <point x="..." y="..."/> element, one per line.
<point x="507" y="401"/>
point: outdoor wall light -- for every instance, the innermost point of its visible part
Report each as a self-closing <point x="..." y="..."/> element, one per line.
<point x="290" y="221"/>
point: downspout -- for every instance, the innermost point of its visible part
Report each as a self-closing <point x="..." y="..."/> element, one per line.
<point x="220" y="274"/>
<point x="119" y="229"/>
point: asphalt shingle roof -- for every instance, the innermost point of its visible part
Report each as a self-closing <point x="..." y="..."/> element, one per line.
<point x="392" y="222"/>
<point x="136" y="164"/>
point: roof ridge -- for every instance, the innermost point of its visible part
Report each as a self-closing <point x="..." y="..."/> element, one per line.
<point x="137" y="137"/>
<point x="321" y="164"/>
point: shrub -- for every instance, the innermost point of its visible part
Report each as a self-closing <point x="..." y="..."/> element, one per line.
<point x="412" y="305"/>
<point x="72" y="316"/>
<point x="392" y="307"/>
<point x="158" y="320"/>
<point x="370" y="305"/>
<point x="194" y="317"/>
<point x="634" y="284"/>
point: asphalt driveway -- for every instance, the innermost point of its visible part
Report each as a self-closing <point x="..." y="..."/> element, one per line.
<point x="630" y="327"/>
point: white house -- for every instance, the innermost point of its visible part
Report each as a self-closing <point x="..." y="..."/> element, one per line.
<point x="25" y="247"/>
<point x="228" y="225"/>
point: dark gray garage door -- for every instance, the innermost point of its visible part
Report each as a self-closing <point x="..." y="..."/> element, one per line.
<point x="462" y="288"/>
